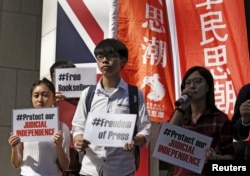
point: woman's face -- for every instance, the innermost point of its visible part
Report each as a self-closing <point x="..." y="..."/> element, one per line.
<point x="196" y="84"/>
<point x="42" y="96"/>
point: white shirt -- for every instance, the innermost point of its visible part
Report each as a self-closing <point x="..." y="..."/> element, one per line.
<point x="40" y="158"/>
<point x="110" y="161"/>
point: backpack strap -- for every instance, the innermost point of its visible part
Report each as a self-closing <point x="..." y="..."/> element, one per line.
<point x="89" y="97"/>
<point x="133" y="105"/>
<point x="133" y="101"/>
<point x="133" y="98"/>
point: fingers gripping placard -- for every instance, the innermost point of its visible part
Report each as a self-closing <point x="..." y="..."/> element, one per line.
<point x="181" y="147"/>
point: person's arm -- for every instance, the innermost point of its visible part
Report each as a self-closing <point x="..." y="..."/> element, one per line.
<point x="62" y="157"/>
<point x="210" y="154"/>
<point x="79" y="119"/>
<point x="16" y="151"/>
<point x="241" y="131"/>
<point x="139" y="139"/>
<point x="223" y="157"/>
<point x="143" y="126"/>
<point x="177" y="117"/>
<point x="80" y="143"/>
<point x="241" y="114"/>
<point x="245" y="113"/>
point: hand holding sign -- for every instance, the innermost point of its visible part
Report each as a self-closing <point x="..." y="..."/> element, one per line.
<point x="80" y="143"/>
<point x="71" y="81"/>
<point x="181" y="147"/>
<point x="14" y="140"/>
<point x="129" y="147"/>
<point x="110" y="130"/>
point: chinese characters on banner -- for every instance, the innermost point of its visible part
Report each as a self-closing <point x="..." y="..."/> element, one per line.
<point x="212" y="33"/>
<point x="143" y="27"/>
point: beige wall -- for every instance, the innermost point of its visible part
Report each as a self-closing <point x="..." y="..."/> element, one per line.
<point x="20" y="41"/>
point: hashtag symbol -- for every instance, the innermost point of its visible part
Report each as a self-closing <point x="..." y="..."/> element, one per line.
<point x="96" y="121"/>
<point x="19" y="117"/>
<point x="61" y="77"/>
<point x="167" y="132"/>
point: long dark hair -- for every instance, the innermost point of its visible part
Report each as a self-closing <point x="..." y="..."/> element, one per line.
<point x="210" y="99"/>
<point x="46" y="82"/>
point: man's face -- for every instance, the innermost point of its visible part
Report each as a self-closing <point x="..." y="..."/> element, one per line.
<point x="110" y="64"/>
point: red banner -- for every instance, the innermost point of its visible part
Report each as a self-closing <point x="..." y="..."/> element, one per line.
<point x="143" y="27"/>
<point x="213" y="34"/>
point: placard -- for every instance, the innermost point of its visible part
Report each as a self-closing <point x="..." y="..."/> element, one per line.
<point x="181" y="147"/>
<point x="36" y="124"/>
<point x="110" y="130"/>
<point x="72" y="81"/>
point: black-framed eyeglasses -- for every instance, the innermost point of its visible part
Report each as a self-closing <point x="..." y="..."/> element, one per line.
<point x="195" y="81"/>
<point x="109" y="57"/>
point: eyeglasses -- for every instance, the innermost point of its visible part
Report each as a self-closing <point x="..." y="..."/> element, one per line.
<point x="195" y="81"/>
<point x="109" y="57"/>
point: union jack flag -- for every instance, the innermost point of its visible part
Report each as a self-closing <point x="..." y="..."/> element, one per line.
<point x="81" y="24"/>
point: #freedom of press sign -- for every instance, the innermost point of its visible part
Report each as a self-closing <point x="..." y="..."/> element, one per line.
<point x="110" y="130"/>
<point x="35" y="124"/>
<point x="181" y="147"/>
<point x="72" y="81"/>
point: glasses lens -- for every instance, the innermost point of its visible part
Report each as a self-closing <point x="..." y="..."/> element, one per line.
<point x="109" y="57"/>
<point x="195" y="81"/>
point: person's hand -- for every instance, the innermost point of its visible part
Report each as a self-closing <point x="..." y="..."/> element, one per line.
<point x="245" y="111"/>
<point x="14" y="140"/>
<point x="128" y="147"/>
<point x="80" y="143"/>
<point x="186" y="105"/>
<point x="58" y="138"/>
<point x="210" y="154"/>
<point x="59" y="97"/>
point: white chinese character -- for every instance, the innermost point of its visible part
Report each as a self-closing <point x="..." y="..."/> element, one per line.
<point x="153" y="113"/>
<point x="219" y="92"/>
<point x="160" y="114"/>
<point x="155" y="51"/>
<point x="225" y="96"/>
<point x="222" y="74"/>
<point x="154" y="18"/>
<point x="208" y="3"/>
<point x="215" y="56"/>
<point x="210" y="22"/>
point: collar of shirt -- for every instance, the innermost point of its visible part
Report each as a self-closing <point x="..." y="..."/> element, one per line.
<point x="122" y="84"/>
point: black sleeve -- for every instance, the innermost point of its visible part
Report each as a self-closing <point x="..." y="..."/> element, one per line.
<point x="240" y="132"/>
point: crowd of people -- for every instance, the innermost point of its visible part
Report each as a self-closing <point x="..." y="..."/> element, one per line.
<point x="64" y="154"/>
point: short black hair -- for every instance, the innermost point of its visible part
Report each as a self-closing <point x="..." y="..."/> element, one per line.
<point x="111" y="46"/>
<point x="61" y="64"/>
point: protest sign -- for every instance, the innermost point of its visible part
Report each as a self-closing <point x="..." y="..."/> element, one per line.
<point x="181" y="147"/>
<point x="72" y="81"/>
<point x="36" y="124"/>
<point x="110" y="130"/>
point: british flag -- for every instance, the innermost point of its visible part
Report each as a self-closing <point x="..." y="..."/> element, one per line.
<point x="81" y="24"/>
